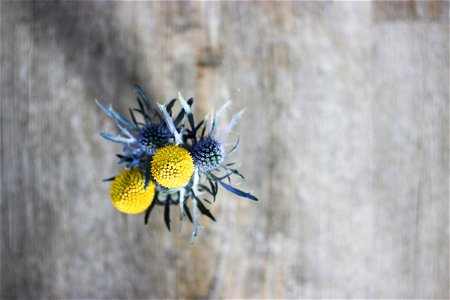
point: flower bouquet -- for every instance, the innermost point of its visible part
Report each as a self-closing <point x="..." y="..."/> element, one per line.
<point x="170" y="159"/>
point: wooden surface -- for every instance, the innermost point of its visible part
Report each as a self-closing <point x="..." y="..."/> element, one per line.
<point x="345" y="141"/>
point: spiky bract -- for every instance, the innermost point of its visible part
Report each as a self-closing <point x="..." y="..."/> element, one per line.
<point x="208" y="154"/>
<point x="151" y="137"/>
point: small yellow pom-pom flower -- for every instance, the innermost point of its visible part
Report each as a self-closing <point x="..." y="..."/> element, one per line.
<point x="172" y="166"/>
<point x="128" y="194"/>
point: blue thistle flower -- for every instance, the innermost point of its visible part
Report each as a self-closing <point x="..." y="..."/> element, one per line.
<point x="208" y="154"/>
<point x="139" y="140"/>
<point x="151" y="137"/>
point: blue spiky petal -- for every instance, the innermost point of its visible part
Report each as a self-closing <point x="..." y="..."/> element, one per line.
<point x="151" y="137"/>
<point x="208" y="154"/>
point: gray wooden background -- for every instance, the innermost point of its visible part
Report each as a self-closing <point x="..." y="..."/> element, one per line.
<point x="345" y="141"/>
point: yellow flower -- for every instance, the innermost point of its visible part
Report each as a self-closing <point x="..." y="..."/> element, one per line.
<point x="128" y="194"/>
<point x="172" y="166"/>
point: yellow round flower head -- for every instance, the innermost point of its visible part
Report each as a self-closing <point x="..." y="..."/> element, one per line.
<point x="128" y="194"/>
<point x="172" y="166"/>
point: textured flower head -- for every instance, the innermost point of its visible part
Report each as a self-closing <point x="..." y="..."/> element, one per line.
<point x="151" y="137"/>
<point x="172" y="166"/>
<point x="208" y="154"/>
<point x="128" y="194"/>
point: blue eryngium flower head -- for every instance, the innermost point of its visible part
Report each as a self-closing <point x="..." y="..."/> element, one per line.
<point x="151" y="137"/>
<point x="208" y="154"/>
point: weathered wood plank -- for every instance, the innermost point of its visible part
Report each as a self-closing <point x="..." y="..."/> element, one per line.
<point x="345" y="141"/>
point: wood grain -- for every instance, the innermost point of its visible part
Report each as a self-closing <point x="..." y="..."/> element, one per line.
<point x="345" y="141"/>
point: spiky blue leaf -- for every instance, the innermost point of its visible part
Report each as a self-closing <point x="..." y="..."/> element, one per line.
<point x="187" y="108"/>
<point x="237" y="191"/>
<point x="230" y="125"/>
<point x="116" y="139"/>
<point x="115" y="115"/>
<point x="234" y="147"/>
<point x="170" y="124"/>
<point x="169" y="106"/>
<point x="204" y="210"/>
<point x="195" y="217"/>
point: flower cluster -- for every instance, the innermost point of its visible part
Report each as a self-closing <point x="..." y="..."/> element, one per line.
<point x="170" y="159"/>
